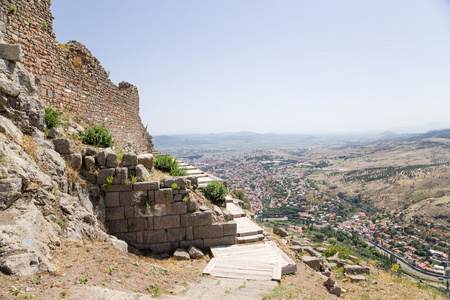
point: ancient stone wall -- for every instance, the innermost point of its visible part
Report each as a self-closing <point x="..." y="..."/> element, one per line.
<point x="161" y="219"/>
<point x="70" y="77"/>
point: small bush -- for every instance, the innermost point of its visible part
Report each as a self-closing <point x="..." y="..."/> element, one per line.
<point x="175" y="186"/>
<point x="169" y="164"/>
<point x="98" y="136"/>
<point x="13" y="8"/>
<point x="44" y="25"/>
<point x="216" y="192"/>
<point x="51" y="117"/>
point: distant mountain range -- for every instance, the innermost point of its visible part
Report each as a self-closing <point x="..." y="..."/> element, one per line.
<point x="229" y="141"/>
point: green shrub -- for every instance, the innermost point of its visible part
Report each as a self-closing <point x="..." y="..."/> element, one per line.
<point x="98" y="136"/>
<point x="169" y="164"/>
<point x="175" y="186"/>
<point x="51" y="117"/>
<point x="216" y="192"/>
<point x="13" y="8"/>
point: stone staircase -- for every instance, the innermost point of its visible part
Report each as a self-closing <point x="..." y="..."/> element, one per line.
<point x="247" y="230"/>
<point x="203" y="177"/>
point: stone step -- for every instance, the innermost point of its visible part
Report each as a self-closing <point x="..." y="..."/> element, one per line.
<point x="228" y="199"/>
<point x="235" y="210"/>
<point x="195" y="172"/>
<point x="203" y="179"/>
<point x="250" y="238"/>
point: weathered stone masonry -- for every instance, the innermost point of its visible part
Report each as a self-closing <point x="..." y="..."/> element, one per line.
<point x="161" y="219"/>
<point x="71" y="78"/>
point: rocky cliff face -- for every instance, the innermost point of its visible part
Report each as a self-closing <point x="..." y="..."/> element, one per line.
<point x="39" y="205"/>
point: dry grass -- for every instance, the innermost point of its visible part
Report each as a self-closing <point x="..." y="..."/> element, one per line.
<point x="30" y="146"/>
<point x="97" y="264"/>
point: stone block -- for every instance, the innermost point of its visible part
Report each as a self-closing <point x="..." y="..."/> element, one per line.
<point x="11" y="52"/>
<point x="226" y="240"/>
<point x="146" y="160"/>
<point x="192" y="205"/>
<point x="177" y="197"/>
<point x="133" y="198"/>
<point x="112" y="199"/>
<point x="177" y="208"/>
<point x="138" y="225"/>
<point x="355" y="269"/>
<point x="184" y="192"/>
<point x="129" y="237"/>
<point x="181" y="254"/>
<point x="90" y="152"/>
<point x="75" y="160"/>
<point x="103" y="174"/>
<point x="229" y="228"/>
<point x="166" y="222"/>
<point x="102" y="155"/>
<point x="114" y="213"/>
<point x="2" y="27"/>
<point x="150" y="222"/>
<point x="117" y="187"/>
<point x="117" y="226"/>
<point x="89" y="162"/>
<point x="129" y="159"/>
<point x="312" y="262"/>
<point x="163" y="247"/>
<point x="139" y="237"/>
<point x="63" y="146"/>
<point x="111" y="160"/>
<point x="129" y="212"/>
<point x="159" y="210"/>
<point x="151" y="197"/>
<point x="155" y="236"/>
<point x="189" y="233"/>
<point x="199" y="218"/>
<point x="120" y="176"/>
<point x="357" y="278"/>
<point x="210" y="231"/>
<point x="176" y="234"/>
<point x="181" y="182"/>
<point x="163" y="196"/>
<point x="196" y="243"/>
<point x="145" y="186"/>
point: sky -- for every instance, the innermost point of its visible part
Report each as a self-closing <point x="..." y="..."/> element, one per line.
<point x="291" y="66"/>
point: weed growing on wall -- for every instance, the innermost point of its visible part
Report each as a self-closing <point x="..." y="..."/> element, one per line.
<point x="98" y="136"/>
<point x="216" y="192"/>
<point x="13" y="8"/>
<point x="170" y="165"/>
<point x="51" y="117"/>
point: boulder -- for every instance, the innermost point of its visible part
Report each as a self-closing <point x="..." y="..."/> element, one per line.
<point x="54" y="165"/>
<point x="146" y="160"/>
<point x="181" y="254"/>
<point x="217" y="211"/>
<point x="335" y="290"/>
<point x="24" y="264"/>
<point x="62" y="146"/>
<point x="280" y="231"/>
<point x="355" y="269"/>
<point x="194" y="252"/>
<point x="129" y="159"/>
<point x="142" y="173"/>
<point x="329" y="282"/>
<point x="312" y="262"/>
<point x="54" y="133"/>
<point x="10" y="191"/>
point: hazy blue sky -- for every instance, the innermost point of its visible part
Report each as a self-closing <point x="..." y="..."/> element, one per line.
<point x="300" y="66"/>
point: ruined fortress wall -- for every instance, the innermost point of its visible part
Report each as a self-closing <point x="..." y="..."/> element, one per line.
<point x="71" y="78"/>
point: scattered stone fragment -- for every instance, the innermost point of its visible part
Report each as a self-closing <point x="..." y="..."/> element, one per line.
<point x="355" y="269"/>
<point x="329" y="282"/>
<point x="194" y="252"/>
<point x="181" y="254"/>
<point x="335" y="290"/>
<point x="312" y="262"/>
<point x="217" y="211"/>
<point x="280" y="231"/>
<point x="357" y="278"/>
